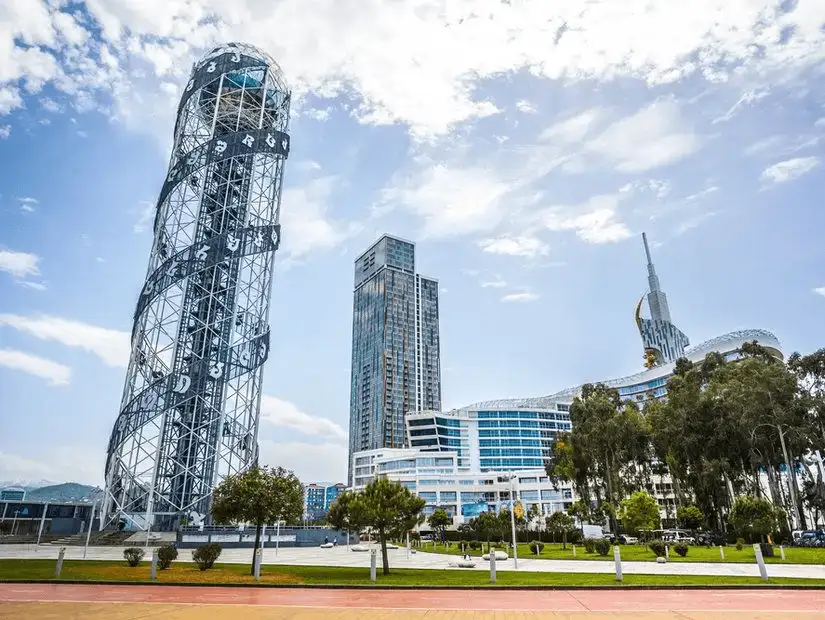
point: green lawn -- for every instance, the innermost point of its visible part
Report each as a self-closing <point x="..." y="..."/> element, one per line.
<point x="90" y="570"/>
<point x="640" y="553"/>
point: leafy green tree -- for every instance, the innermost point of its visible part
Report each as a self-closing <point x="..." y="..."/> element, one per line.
<point x="486" y="525"/>
<point x="385" y="506"/>
<point x="753" y="516"/>
<point x="439" y="520"/>
<point x="343" y="513"/>
<point x="639" y="511"/>
<point x="505" y="525"/>
<point x="560" y="523"/>
<point x="259" y="495"/>
<point x="690" y="517"/>
<point x="607" y="453"/>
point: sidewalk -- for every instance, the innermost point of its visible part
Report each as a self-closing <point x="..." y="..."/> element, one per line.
<point x="313" y="556"/>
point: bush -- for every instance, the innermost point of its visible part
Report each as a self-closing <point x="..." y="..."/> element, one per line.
<point x="602" y="546"/>
<point x="474" y="544"/>
<point x="589" y="545"/>
<point x="205" y="555"/>
<point x="536" y="546"/>
<point x="767" y="550"/>
<point x="657" y="547"/>
<point x="133" y="555"/>
<point x="166" y="555"/>
<point x="740" y="544"/>
<point x="681" y="548"/>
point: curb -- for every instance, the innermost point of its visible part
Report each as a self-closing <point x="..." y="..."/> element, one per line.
<point x="325" y="586"/>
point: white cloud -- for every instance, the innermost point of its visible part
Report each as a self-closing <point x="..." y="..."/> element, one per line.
<point x="575" y="128"/>
<point x="747" y="98"/>
<point x="37" y="286"/>
<point x="49" y="104"/>
<point x="58" y="374"/>
<point x="5" y="131"/>
<point x="73" y="463"/>
<point x="306" y="225"/>
<point x="702" y="193"/>
<point x="311" y="462"/>
<point x="146" y="216"/>
<point x="319" y="114"/>
<point x="788" y="170"/>
<point x="284" y="414"/>
<point x="526" y="107"/>
<point x="653" y="137"/>
<point x="109" y="345"/>
<point x="497" y="283"/>
<point x="514" y="246"/>
<point x="520" y="297"/>
<point x="27" y="203"/>
<point x="820" y="291"/>
<point x="19" y="264"/>
<point x="593" y="221"/>
<point x="820" y="122"/>
<point x="693" y="222"/>
<point x="451" y="200"/>
<point x="373" y="49"/>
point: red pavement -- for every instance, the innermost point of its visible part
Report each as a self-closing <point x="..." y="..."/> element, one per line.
<point x="467" y="600"/>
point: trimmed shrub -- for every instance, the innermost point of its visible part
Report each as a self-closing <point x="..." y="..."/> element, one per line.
<point x="740" y="544"/>
<point x="602" y="546"/>
<point x="474" y="545"/>
<point x="681" y="548"/>
<point x="206" y="555"/>
<point x="767" y="550"/>
<point x="536" y="546"/>
<point x="133" y="555"/>
<point x="657" y="547"/>
<point x="166" y="555"/>
<point x="589" y="545"/>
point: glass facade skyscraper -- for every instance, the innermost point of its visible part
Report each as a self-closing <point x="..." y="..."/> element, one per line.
<point x="396" y="361"/>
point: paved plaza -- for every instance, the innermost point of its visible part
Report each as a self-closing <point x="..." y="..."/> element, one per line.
<point x="340" y="556"/>
<point x="96" y="602"/>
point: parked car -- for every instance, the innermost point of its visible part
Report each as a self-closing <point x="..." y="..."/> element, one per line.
<point x="624" y="539"/>
<point x="710" y="539"/>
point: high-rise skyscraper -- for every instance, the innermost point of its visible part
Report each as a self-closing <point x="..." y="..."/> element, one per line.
<point x="190" y="408"/>
<point x="396" y="361"/>
<point x="662" y="340"/>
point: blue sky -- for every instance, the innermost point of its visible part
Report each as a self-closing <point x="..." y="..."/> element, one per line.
<point x="523" y="146"/>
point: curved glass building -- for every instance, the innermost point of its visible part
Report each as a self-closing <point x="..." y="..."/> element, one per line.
<point x="190" y="406"/>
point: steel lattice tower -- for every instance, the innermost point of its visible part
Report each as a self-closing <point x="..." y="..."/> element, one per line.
<point x="189" y="414"/>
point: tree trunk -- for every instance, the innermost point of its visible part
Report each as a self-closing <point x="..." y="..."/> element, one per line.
<point x="382" y="537"/>
<point x="258" y="528"/>
<point x="564" y="540"/>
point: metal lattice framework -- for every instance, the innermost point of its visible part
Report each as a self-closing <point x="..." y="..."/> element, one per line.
<point x="190" y="408"/>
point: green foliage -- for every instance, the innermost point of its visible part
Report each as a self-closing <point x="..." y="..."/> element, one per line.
<point x="439" y="520"/>
<point x="560" y="523"/>
<point x="608" y="437"/>
<point x="205" y="556"/>
<point x="589" y="545"/>
<point x="260" y="495"/>
<point x="536" y="546"/>
<point x="639" y="511"/>
<point x="740" y="544"/>
<point x="166" y="555"/>
<point x="133" y="555"/>
<point x="690" y="517"/>
<point x="387" y="507"/>
<point x="602" y="546"/>
<point x="657" y="547"/>
<point x="486" y="525"/>
<point x="474" y="545"/>
<point x="753" y="516"/>
<point x="681" y="548"/>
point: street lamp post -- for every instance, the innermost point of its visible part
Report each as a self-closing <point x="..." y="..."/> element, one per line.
<point x="513" y="520"/>
<point x="14" y="521"/>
